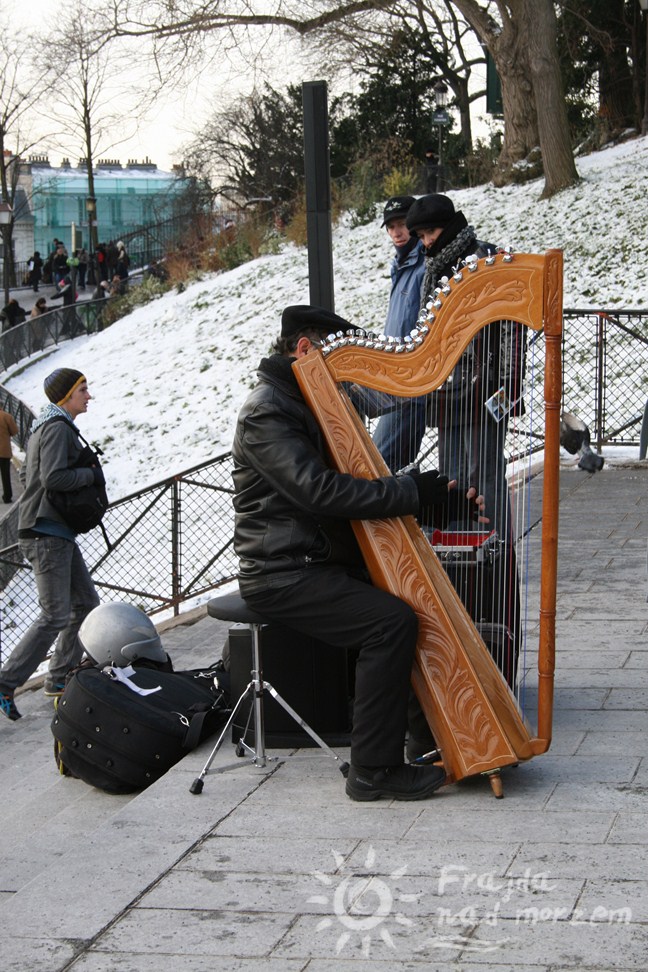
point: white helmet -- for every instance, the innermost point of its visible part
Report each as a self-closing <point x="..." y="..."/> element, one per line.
<point x="119" y="634"/>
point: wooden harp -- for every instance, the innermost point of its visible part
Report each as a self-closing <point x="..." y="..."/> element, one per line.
<point x="477" y="721"/>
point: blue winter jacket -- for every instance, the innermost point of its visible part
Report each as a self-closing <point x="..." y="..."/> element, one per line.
<point x="405" y="297"/>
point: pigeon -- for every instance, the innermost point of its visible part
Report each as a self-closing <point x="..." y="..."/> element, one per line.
<point x="575" y="438"/>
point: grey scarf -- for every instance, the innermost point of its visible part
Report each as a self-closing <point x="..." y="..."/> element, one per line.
<point x="449" y="255"/>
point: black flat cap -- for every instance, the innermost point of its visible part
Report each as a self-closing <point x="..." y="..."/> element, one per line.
<point x="303" y="317"/>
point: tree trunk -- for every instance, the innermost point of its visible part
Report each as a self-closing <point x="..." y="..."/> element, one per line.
<point x="520" y="119"/>
<point x="508" y="48"/>
<point x="553" y="126"/>
<point x="616" y="105"/>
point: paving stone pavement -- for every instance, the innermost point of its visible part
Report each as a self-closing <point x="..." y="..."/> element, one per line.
<point x="274" y="869"/>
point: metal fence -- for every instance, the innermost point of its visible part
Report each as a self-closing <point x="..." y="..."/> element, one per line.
<point x="53" y="327"/>
<point x="159" y="548"/>
<point x="172" y="541"/>
<point x="605" y="363"/>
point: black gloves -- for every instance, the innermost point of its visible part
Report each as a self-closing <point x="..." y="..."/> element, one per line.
<point x="432" y="490"/>
<point x="99" y="478"/>
<point x="439" y="506"/>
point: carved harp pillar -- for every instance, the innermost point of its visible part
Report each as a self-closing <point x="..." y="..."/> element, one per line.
<point x="477" y="721"/>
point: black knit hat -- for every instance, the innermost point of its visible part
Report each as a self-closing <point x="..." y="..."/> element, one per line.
<point x="431" y="212"/>
<point x="305" y="317"/>
<point x="61" y="384"/>
<point x="397" y="206"/>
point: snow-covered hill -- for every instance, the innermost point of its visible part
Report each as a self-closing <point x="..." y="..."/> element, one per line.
<point x="168" y="380"/>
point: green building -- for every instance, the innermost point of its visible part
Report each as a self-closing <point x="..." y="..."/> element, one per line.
<point x="133" y="202"/>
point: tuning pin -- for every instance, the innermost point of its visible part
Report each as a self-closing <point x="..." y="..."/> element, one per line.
<point x="508" y="254"/>
<point x="471" y="262"/>
<point x="457" y="274"/>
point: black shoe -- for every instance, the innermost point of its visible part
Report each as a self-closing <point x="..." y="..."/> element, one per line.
<point x="404" y="782"/>
<point x="8" y="707"/>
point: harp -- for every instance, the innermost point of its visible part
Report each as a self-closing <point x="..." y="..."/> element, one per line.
<point x="477" y="719"/>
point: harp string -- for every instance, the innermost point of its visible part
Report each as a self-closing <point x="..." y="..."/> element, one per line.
<point x="463" y="693"/>
<point x="465" y="437"/>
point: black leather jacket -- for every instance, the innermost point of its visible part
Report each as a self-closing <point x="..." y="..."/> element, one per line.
<point x="292" y="508"/>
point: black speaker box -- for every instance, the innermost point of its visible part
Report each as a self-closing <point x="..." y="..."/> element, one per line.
<point x="314" y="678"/>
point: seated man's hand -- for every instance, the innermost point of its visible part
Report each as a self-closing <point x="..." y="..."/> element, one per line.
<point x="433" y="490"/>
<point x="469" y="508"/>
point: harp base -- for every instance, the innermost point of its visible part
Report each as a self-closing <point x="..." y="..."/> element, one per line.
<point x="495" y="780"/>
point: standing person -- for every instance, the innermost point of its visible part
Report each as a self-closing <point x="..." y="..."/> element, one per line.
<point x="35" y="271"/>
<point x="472" y="433"/>
<point x="301" y="566"/>
<point x="399" y="433"/>
<point x="471" y="440"/>
<point x="66" y="593"/>
<point x="37" y="326"/>
<point x="8" y="428"/>
<point x="121" y="267"/>
<point x="112" y="255"/>
<point x="12" y="314"/>
<point x="60" y="263"/>
<point x="82" y="268"/>
<point x="39" y="308"/>
<point x="102" y="263"/>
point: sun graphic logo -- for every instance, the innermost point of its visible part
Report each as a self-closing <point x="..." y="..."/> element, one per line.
<point x="362" y="904"/>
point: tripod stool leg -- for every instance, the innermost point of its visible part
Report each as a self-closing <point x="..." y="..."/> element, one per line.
<point x="344" y="766"/>
<point x="197" y="785"/>
<point x="257" y="679"/>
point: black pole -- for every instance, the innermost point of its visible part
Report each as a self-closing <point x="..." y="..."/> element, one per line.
<point x="318" y="194"/>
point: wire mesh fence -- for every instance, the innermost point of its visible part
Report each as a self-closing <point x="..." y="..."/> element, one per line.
<point x="172" y="542"/>
<point x="605" y="362"/>
<point x="158" y="548"/>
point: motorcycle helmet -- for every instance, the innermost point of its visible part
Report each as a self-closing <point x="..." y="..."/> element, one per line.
<point x="120" y="634"/>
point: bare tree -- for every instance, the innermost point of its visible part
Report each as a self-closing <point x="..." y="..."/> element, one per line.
<point x="21" y="86"/>
<point x="520" y="34"/>
<point x="102" y="104"/>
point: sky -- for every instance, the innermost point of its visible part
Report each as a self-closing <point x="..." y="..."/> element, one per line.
<point x="171" y="376"/>
<point x="171" y="120"/>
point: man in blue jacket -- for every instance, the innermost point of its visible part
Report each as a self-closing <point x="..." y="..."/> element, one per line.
<point x="399" y="432"/>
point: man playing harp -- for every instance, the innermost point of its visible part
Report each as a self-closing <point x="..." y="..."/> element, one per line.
<point x="301" y="566"/>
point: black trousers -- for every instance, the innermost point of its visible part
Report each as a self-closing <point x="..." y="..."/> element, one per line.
<point x="5" y="471"/>
<point x="340" y="606"/>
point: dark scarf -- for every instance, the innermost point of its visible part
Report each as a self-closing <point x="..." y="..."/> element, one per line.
<point x="279" y="367"/>
<point x="402" y="252"/>
<point x="457" y="240"/>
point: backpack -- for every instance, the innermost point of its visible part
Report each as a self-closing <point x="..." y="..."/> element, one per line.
<point x="82" y="509"/>
<point x="117" y="740"/>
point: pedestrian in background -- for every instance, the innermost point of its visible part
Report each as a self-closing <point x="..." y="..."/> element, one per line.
<point x="35" y="267"/>
<point x="8" y="428"/>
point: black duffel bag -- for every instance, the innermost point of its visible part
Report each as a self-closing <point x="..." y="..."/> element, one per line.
<point x="113" y="738"/>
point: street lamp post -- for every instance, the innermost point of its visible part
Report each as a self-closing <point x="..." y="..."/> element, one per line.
<point x="91" y="209"/>
<point x="644" y="123"/>
<point x="441" y="119"/>
<point x="6" y="213"/>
